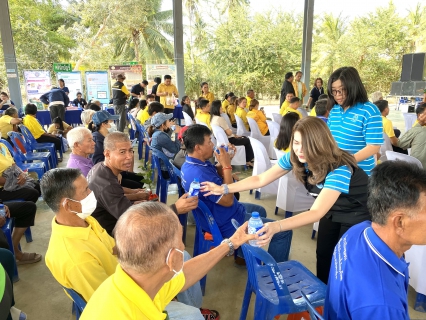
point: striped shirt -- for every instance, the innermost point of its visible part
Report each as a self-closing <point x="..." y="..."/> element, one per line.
<point x="338" y="179"/>
<point x="353" y="130"/>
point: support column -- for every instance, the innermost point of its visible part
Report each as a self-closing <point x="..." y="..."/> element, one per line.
<point x="178" y="46"/>
<point x="308" y="22"/>
<point x="9" y="54"/>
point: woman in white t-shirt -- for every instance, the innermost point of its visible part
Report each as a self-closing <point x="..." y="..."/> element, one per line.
<point x="216" y="120"/>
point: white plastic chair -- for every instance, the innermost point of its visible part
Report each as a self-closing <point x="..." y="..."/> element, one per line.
<point x="266" y="140"/>
<point x="274" y="130"/>
<point x="277" y="117"/>
<point x="221" y="137"/>
<point x="261" y="164"/>
<point x="200" y="122"/>
<point x="391" y="156"/>
<point x="228" y="121"/>
<point x="303" y="112"/>
<point x="241" y="128"/>
<point x="386" y="146"/>
<point x="188" y="120"/>
<point x="409" y="119"/>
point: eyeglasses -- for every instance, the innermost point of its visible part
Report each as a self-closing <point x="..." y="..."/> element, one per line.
<point x="338" y="92"/>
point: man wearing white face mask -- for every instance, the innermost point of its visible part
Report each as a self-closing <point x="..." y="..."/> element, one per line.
<point x="80" y="253"/>
<point x="152" y="273"/>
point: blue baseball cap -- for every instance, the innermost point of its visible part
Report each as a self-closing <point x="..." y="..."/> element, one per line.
<point x="159" y="118"/>
<point x="102" y="116"/>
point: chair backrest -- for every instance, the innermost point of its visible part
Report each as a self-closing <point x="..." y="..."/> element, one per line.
<point x="254" y="128"/>
<point x="27" y="134"/>
<point x="279" y="153"/>
<point x="409" y="119"/>
<point x="156" y="157"/>
<point x="241" y="128"/>
<point x="277" y="117"/>
<point x="139" y="127"/>
<point x="200" y="122"/>
<point x="261" y="158"/>
<point x="274" y="129"/>
<point x="386" y="146"/>
<point x="9" y="147"/>
<point x="220" y="135"/>
<point x="78" y="300"/>
<point x="203" y="212"/>
<point x="391" y="155"/>
<point x="175" y="169"/>
<point x="303" y="112"/>
<point x="21" y="144"/>
<point x="312" y="312"/>
<point x="188" y="119"/>
<point x="228" y="121"/>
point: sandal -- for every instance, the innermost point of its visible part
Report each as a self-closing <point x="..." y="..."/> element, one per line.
<point x="210" y="314"/>
<point x="28" y="258"/>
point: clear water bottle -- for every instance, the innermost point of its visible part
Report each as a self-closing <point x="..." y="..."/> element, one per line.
<point x="221" y="146"/>
<point x="2" y="211"/>
<point x="194" y="188"/>
<point x="254" y="224"/>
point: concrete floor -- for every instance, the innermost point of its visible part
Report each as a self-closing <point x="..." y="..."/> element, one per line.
<point x="41" y="297"/>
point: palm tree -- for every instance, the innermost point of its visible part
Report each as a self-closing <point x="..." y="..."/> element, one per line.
<point x="232" y="5"/>
<point x="416" y="24"/>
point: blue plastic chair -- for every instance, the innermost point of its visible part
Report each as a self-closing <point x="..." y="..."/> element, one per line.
<point x="159" y="158"/>
<point x="28" y="156"/>
<point x="143" y="138"/>
<point x="78" y="304"/>
<point x="40" y="146"/>
<point x="201" y="245"/>
<point x="278" y="287"/>
<point x="39" y="167"/>
<point x="314" y="314"/>
<point x="183" y="218"/>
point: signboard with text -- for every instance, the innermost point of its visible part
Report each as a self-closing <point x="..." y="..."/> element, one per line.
<point x="133" y="74"/>
<point x="62" y="67"/>
<point x="37" y="83"/>
<point x="97" y="86"/>
<point x="160" y="70"/>
<point x="72" y="81"/>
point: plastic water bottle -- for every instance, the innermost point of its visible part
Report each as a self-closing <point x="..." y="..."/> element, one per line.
<point x="254" y="224"/>
<point x="194" y="188"/>
<point x="221" y="146"/>
<point x="2" y="211"/>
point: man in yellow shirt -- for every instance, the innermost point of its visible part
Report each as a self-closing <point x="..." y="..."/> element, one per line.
<point x="250" y="95"/>
<point x="299" y="87"/>
<point x="293" y="106"/>
<point x="286" y="103"/>
<point x="8" y="121"/>
<point x="152" y="273"/>
<point x="203" y="114"/>
<point x="166" y="90"/>
<point x="205" y="93"/>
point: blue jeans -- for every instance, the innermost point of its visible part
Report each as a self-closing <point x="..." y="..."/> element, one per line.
<point x="279" y="247"/>
<point x="193" y="295"/>
<point x="180" y="311"/>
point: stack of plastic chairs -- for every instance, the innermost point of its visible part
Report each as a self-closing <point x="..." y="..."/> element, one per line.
<point x="78" y="302"/>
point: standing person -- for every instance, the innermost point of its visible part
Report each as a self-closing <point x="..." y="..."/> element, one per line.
<point x="316" y="91"/>
<point x="258" y="116"/>
<point x="241" y="111"/>
<point x="5" y="102"/>
<point x="61" y="83"/>
<point x="157" y="81"/>
<point x="203" y="113"/>
<point x="186" y="107"/>
<point x="57" y="100"/>
<point x="119" y="97"/>
<point x="330" y="175"/>
<point x="205" y="93"/>
<point x="216" y="120"/>
<point x="166" y="90"/>
<point x="299" y="87"/>
<point x="354" y="122"/>
<point x="226" y="100"/>
<point x="249" y="96"/>
<point x="79" y="101"/>
<point x="138" y="90"/>
<point x="287" y="86"/>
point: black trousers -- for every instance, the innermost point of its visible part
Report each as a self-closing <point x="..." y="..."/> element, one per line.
<point x="57" y="141"/>
<point x="243" y="141"/>
<point x="27" y="194"/>
<point x="329" y="234"/>
<point x="57" y="110"/>
<point x="131" y="180"/>
<point x="398" y="149"/>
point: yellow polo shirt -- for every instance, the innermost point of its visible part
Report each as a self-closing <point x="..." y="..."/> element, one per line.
<point x="33" y="125"/>
<point x="52" y="127"/>
<point x="6" y="159"/>
<point x="204" y="117"/>
<point x="288" y="109"/>
<point x="209" y="96"/>
<point x="243" y="115"/>
<point x="143" y="115"/>
<point x="313" y="112"/>
<point x="260" y="119"/>
<point x="248" y="101"/>
<point x="170" y="89"/>
<point x="230" y="110"/>
<point x="283" y="107"/>
<point x="388" y="127"/>
<point x="225" y="104"/>
<point x="119" y="297"/>
<point x="5" y="126"/>
<point x="81" y="258"/>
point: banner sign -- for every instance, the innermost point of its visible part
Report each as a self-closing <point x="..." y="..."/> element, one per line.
<point x="37" y="83"/>
<point x="62" y="67"/>
<point x="72" y="81"/>
<point x="133" y="74"/>
<point x="130" y="63"/>
<point x="97" y="86"/>
<point x="159" y="70"/>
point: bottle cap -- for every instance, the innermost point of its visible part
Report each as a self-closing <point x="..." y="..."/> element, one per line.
<point x="1" y="206"/>
<point x="196" y="180"/>
<point x="255" y="214"/>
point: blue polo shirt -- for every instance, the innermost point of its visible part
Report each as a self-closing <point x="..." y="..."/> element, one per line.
<point x="360" y="125"/>
<point x="205" y="171"/>
<point x="367" y="279"/>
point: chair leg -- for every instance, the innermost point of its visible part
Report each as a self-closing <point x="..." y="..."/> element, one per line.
<point x="276" y="210"/>
<point x="313" y="234"/>
<point x="183" y="219"/>
<point x="246" y="301"/>
<point x="420" y="304"/>
<point x="28" y="235"/>
<point x="288" y="214"/>
<point x="257" y="195"/>
<point x="251" y="191"/>
<point x="163" y="191"/>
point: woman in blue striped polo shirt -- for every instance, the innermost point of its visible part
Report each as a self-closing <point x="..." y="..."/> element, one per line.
<point x="330" y="175"/>
<point x="354" y="122"/>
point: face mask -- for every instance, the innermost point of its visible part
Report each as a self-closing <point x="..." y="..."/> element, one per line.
<point x="112" y="128"/>
<point x="167" y="262"/>
<point x="88" y="205"/>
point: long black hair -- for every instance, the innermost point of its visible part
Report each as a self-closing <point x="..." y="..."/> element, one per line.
<point x="142" y="104"/>
<point x="133" y="103"/>
<point x="229" y="94"/>
<point x="215" y="109"/>
<point x="58" y="120"/>
<point x="286" y="130"/>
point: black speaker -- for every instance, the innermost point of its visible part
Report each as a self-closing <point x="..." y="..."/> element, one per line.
<point x="408" y="88"/>
<point x="407" y="62"/>
<point x="418" y="68"/>
<point x="419" y="87"/>
<point x="396" y="89"/>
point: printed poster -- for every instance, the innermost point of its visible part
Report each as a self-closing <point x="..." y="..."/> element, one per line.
<point x="37" y="83"/>
<point x="72" y="81"/>
<point x="97" y="86"/>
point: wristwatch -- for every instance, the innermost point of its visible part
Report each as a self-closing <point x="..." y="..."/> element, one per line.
<point x="225" y="188"/>
<point x="231" y="247"/>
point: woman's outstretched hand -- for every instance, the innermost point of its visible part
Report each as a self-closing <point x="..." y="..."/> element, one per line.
<point x="211" y="189"/>
<point x="265" y="234"/>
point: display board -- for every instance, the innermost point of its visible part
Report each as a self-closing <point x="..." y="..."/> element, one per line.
<point x="97" y="86"/>
<point x="160" y="70"/>
<point x="133" y="74"/>
<point x="72" y="81"/>
<point x="37" y="83"/>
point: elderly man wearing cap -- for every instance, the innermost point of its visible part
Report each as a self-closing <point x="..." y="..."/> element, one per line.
<point x="119" y="97"/>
